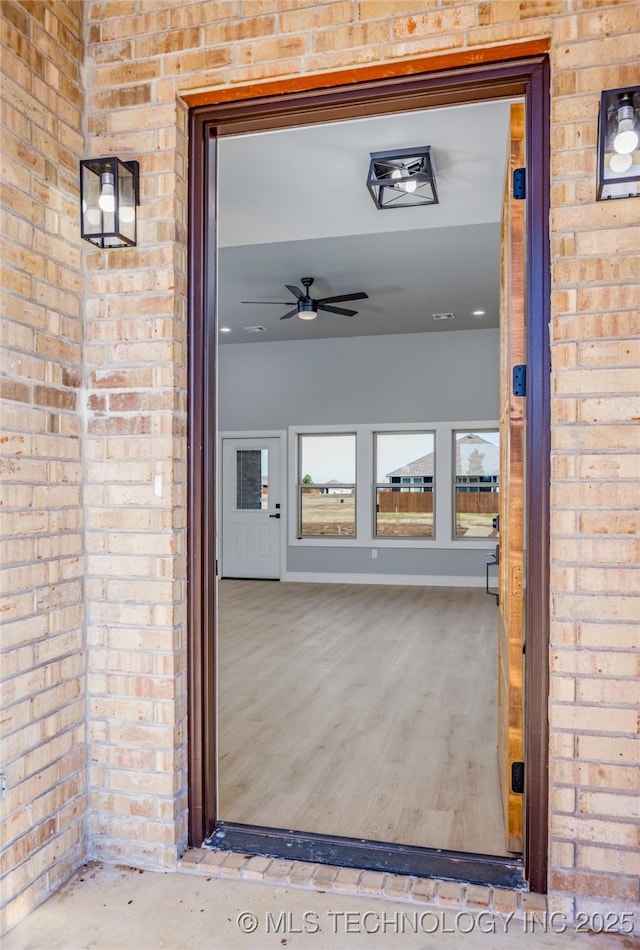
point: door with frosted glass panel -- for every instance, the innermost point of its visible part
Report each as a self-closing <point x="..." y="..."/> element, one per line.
<point x="251" y="511"/>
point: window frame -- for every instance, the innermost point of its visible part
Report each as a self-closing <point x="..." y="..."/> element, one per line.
<point x="407" y="484"/>
<point x="262" y="506"/>
<point x="365" y="485"/>
<point x="461" y="430"/>
<point x="330" y="486"/>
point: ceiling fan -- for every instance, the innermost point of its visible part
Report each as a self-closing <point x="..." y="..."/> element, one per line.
<point x="306" y="307"/>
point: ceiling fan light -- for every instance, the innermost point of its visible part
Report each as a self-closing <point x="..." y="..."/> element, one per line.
<point x="306" y="305"/>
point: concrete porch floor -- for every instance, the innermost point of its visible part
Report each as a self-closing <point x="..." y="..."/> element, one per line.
<point x="117" y="908"/>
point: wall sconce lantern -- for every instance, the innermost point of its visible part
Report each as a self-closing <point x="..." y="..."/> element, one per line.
<point x="109" y="195"/>
<point x="403" y="178"/>
<point x="619" y="144"/>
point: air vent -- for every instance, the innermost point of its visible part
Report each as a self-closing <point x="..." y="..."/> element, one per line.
<point x="443" y="316"/>
<point x="255" y="329"/>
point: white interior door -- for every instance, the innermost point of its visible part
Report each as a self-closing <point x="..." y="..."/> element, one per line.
<point x="251" y="508"/>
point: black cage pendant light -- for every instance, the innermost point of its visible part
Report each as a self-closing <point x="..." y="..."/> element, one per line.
<point x="403" y="178"/>
<point x="109" y="196"/>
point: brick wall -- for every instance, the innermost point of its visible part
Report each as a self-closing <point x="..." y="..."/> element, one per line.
<point x="141" y="55"/>
<point x="42" y="660"/>
<point x="135" y="373"/>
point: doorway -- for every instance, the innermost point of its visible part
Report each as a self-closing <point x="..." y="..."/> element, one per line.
<point x="202" y="697"/>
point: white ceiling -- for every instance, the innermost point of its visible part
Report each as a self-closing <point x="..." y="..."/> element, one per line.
<point x="294" y="203"/>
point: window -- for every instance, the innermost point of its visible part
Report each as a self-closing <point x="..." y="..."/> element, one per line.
<point x="405" y="467"/>
<point x="476" y="466"/>
<point x="252" y="479"/>
<point x="432" y="485"/>
<point x="327" y="486"/>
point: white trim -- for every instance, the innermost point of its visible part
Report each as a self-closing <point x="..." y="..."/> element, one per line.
<point x="365" y="477"/>
<point x="252" y="434"/>
<point x="470" y="544"/>
<point x="401" y="580"/>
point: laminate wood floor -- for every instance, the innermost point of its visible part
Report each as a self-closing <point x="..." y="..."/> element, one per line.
<point x="357" y="710"/>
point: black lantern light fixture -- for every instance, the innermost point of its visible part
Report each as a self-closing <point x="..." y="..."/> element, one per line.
<point x="403" y="178"/>
<point x="619" y="144"/>
<point x="109" y="195"/>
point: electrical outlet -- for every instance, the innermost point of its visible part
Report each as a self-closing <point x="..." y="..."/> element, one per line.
<point x="374" y="552"/>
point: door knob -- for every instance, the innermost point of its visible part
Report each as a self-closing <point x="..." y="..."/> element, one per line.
<point x="275" y="516"/>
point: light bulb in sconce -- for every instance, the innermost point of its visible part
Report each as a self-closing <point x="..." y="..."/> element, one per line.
<point x="405" y="182"/>
<point x="620" y="163"/>
<point x="107" y="200"/>
<point x="626" y="138"/>
<point x="93" y="214"/>
<point x="127" y="204"/>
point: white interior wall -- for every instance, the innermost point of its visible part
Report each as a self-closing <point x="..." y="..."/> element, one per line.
<point x="413" y="378"/>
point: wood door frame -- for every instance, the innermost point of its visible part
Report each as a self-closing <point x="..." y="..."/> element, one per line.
<point x="519" y="70"/>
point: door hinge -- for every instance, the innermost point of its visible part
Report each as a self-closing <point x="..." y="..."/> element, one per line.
<point x="520" y="380"/>
<point x="517" y="777"/>
<point x="519" y="183"/>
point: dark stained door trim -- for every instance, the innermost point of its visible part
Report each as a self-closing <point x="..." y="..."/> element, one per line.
<point x="516" y="75"/>
<point x="538" y="477"/>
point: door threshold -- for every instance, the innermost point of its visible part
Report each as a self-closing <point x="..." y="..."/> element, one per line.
<point x="366" y="855"/>
<point x="225" y="577"/>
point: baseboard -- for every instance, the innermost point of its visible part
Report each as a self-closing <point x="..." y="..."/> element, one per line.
<point x="400" y="580"/>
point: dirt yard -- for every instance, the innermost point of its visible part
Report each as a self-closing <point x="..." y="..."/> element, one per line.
<point x="334" y="515"/>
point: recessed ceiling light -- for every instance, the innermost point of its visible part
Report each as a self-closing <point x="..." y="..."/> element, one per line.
<point x="225" y="329"/>
<point x="479" y="313"/>
<point x="443" y="316"/>
<point x="255" y="329"/>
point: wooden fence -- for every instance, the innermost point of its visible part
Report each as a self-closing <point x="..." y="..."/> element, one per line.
<point x="416" y="502"/>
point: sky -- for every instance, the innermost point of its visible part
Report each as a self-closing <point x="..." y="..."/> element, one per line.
<point x="329" y="457"/>
<point x="332" y="457"/>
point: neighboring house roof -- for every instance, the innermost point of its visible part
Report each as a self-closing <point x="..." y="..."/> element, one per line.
<point x="421" y="466"/>
<point x="475" y="462"/>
